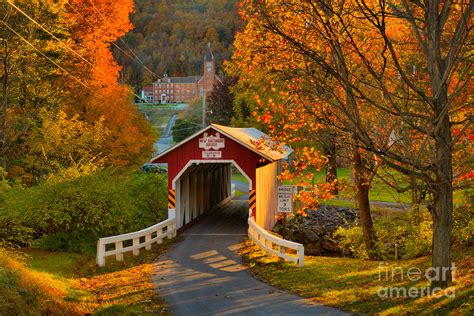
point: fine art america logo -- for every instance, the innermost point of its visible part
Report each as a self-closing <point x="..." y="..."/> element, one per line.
<point x="211" y="142"/>
<point x="408" y="277"/>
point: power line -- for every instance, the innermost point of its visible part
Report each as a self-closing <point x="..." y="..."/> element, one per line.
<point x="200" y="125"/>
<point x="45" y="56"/>
<point x="51" y="34"/>
<point x="128" y="47"/>
<point x="183" y="129"/>
<point x="51" y="60"/>
<point x="64" y="45"/>
<point x="138" y="58"/>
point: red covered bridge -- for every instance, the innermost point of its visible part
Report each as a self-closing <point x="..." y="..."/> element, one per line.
<point x="199" y="172"/>
<point x="199" y="179"/>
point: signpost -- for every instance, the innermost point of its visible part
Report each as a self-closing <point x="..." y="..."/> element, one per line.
<point x="285" y="202"/>
<point x="285" y="198"/>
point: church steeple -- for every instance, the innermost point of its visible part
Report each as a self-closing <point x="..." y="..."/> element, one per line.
<point x="209" y="63"/>
<point x="209" y="56"/>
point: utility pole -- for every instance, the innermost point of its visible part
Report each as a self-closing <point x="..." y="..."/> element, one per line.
<point x="203" y="110"/>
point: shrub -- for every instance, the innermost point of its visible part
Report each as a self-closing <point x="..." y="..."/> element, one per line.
<point x="73" y="215"/>
<point x="463" y="225"/>
<point x="393" y="231"/>
<point x="351" y="241"/>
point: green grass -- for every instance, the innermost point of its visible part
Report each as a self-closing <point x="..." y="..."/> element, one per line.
<point x="239" y="177"/>
<point x="59" y="264"/>
<point x="379" y="190"/>
<point x="159" y="114"/>
<point x="353" y="284"/>
<point x="160" y="105"/>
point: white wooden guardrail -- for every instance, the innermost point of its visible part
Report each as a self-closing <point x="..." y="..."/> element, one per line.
<point x="140" y="239"/>
<point x="265" y="241"/>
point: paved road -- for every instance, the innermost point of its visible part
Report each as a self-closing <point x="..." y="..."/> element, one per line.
<point x="390" y="206"/>
<point x="242" y="187"/>
<point x="166" y="139"/>
<point x="202" y="275"/>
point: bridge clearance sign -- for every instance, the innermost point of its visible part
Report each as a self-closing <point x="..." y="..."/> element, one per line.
<point x="285" y="199"/>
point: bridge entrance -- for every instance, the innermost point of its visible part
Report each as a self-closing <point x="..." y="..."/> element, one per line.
<point x="200" y="172"/>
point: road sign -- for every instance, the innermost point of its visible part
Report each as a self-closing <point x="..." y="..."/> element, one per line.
<point x="286" y="189"/>
<point x="285" y="199"/>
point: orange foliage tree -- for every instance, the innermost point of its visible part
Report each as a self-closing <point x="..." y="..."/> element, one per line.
<point x="393" y="76"/>
<point x="56" y="57"/>
<point x="296" y="97"/>
<point x="95" y="25"/>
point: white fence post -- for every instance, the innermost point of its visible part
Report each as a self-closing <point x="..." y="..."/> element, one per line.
<point x="100" y="254"/>
<point x="169" y="224"/>
<point x="159" y="232"/>
<point x="265" y="241"/>
<point x="300" y="253"/>
<point x="173" y="230"/>
<point x="118" y="248"/>
<point x="136" y="249"/>
<point x="147" y="239"/>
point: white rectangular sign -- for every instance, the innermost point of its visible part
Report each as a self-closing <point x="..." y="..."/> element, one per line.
<point x="285" y="199"/>
<point x="211" y="154"/>
<point x="285" y="203"/>
<point x="288" y="189"/>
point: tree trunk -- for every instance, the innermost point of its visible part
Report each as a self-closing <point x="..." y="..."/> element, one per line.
<point x="3" y="107"/>
<point x="331" y="167"/>
<point x="362" y="197"/>
<point x="441" y="259"/>
<point x="443" y="204"/>
<point x="415" y="201"/>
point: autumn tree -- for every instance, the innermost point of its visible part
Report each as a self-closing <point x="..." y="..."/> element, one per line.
<point x="56" y="58"/>
<point x="168" y="37"/>
<point x="292" y="89"/>
<point x="394" y="75"/>
<point x="65" y="147"/>
<point x="95" y="25"/>
<point x="31" y="79"/>
<point x="220" y="102"/>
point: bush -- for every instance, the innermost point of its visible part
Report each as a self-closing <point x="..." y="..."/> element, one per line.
<point x="463" y="225"/>
<point x="73" y="215"/>
<point x="411" y="240"/>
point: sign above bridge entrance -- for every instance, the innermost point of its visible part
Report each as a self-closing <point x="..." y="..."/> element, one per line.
<point x="211" y="142"/>
<point x="208" y="142"/>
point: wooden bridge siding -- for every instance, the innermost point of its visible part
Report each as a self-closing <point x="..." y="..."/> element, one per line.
<point x="267" y="195"/>
<point x="200" y="189"/>
<point x="178" y="159"/>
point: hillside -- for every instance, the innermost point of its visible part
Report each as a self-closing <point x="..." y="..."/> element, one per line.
<point x="171" y="36"/>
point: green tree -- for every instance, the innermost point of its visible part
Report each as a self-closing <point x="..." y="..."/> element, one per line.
<point x="220" y="102"/>
<point x="182" y="129"/>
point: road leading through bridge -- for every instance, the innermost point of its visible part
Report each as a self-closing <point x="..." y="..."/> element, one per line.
<point x="202" y="274"/>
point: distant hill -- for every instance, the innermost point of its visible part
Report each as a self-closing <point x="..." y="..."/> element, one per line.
<point x="171" y="37"/>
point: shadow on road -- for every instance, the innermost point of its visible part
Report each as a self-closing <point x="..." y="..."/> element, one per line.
<point x="203" y="275"/>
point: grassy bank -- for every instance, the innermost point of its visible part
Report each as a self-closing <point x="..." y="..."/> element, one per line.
<point x="34" y="282"/>
<point x="353" y="284"/>
<point x="379" y="190"/>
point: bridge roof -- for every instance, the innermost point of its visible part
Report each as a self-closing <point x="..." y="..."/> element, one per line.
<point x="256" y="140"/>
<point x="251" y="138"/>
